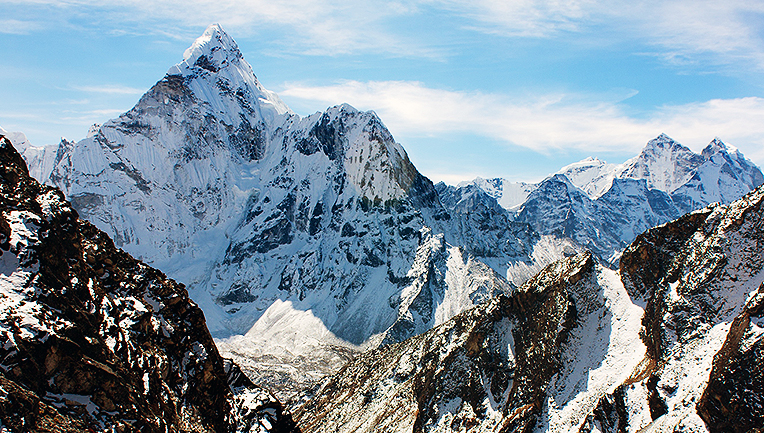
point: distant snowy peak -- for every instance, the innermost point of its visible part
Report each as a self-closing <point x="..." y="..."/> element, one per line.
<point x="592" y="175"/>
<point x="724" y="176"/>
<point x="93" y="130"/>
<point x="664" y="163"/>
<point x="669" y="166"/>
<point x="510" y="195"/>
<point x="603" y="206"/>
<point x="18" y="139"/>
<point x="719" y="153"/>
<point x="39" y="159"/>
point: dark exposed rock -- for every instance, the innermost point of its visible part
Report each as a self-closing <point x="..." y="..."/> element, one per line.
<point x="650" y="259"/>
<point x="610" y="415"/>
<point x="98" y="340"/>
<point x="733" y="400"/>
<point x="204" y="62"/>
<point x="132" y="173"/>
<point x="248" y="141"/>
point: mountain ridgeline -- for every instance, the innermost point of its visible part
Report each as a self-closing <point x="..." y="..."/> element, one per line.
<point x="603" y="207"/>
<point x="309" y="240"/>
<point x="573" y="349"/>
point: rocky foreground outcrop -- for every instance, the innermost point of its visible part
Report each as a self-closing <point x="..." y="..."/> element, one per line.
<point x="94" y="340"/>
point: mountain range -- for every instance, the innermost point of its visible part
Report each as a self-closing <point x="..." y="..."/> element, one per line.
<point x="307" y="241"/>
<point x="671" y="341"/>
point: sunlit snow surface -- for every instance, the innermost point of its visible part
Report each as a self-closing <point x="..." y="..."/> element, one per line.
<point x="17" y="267"/>
<point x="603" y="350"/>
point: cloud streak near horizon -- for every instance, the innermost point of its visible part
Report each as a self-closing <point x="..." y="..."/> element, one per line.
<point x="544" y="123"/>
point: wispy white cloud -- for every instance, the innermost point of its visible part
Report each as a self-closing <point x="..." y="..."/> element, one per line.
<point x="718" y="32"/>
<point x="525" y="18"/>
<point x="709" y="31"/>
<point x="111" y="89"/>
<point x="18" y="27"/>
<point x="545" y="123"/>
<point x="302" y="26"/>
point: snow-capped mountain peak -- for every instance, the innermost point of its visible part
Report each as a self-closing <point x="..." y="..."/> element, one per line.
<point x="718" y="147"/>
<point x="664" y="163"/>
<point x="215" y="61"/>
<point x="215" y="44"/>
<point x="510" y="195"/>
<point x="592" y="175"/>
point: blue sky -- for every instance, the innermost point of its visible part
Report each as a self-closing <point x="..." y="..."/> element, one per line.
<point x="489" y="88"/>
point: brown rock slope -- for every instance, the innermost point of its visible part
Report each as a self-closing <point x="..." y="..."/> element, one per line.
<point x="485" y="370"/>
<point x="94" y="340"/>
<point x="700" y="279"/>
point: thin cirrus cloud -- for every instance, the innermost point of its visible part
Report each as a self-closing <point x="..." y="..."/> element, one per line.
<point x="682" y="30"/>
<point x="706" y="32"/>
<point x="110" y="89"/>
<point x="315" y="27"/>
<point x="18" y="27"/>
<point x="523" y="18"/>
<point x="679" y="31"/>
<point x="544" y="123"/>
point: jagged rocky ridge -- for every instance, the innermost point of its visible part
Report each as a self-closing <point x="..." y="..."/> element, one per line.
<point x="603" y="207"/>
<point x="670" y="342"/>
<point x="94" y="340"/>
<point x="484" y="370"/>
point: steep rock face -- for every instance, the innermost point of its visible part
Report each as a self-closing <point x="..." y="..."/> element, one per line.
<point x="700" y="278"/>
<point x="487" y="231"/>
<point x="94" y="339"/>
<point x="486" y="369"/>
<point x="733" y="400"/>
<point x="427" y="302"/>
